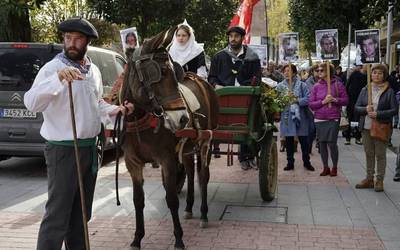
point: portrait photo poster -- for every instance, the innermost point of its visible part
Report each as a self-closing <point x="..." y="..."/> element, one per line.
<point x="129" y="38"/>
<point x="288" y="47"/>
<point x="327" y="44"/>
<point x="368" y="46"/>
<point x="261" y="51"/>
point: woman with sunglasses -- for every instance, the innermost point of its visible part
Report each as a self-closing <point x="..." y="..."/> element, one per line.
<point x="384" y="107"/>
<point x="327" y="108"/>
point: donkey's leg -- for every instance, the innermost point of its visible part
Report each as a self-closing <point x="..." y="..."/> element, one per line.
<point x="135" y="169"/>
<point x="203" y="173"/>
<point x="189" y="167"/>
<point x="171" y="197"/>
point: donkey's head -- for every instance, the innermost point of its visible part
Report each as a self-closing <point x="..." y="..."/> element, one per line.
<point x="153" y="84"/>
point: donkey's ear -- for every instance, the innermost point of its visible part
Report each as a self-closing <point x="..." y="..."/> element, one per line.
<point x="162" y="39"/>
<point x="169" y="36"/>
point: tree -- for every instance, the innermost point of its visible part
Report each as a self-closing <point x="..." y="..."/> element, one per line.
<point x="14" y="20"/>
<point x="45" y="21"/>
<point x="209" y="18"/>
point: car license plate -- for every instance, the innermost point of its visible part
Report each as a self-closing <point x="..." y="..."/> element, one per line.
<point x="17" y="113"/>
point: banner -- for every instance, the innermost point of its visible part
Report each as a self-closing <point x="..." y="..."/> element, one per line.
<point x="243" y="17"/>
<point x="368" y="46"/>
<point x="327" y="44"/>
<point x="288" y="47"/>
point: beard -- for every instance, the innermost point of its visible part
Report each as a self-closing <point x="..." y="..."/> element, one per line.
<point x="74" y="53"/>
<point x="235" y="46"/>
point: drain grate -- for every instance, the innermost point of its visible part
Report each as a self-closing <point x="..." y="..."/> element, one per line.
<point x="255" y="213"/>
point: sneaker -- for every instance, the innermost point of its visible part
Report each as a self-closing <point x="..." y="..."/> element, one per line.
<point x="288" y="168"/>
<point x="309" y="167"/>
<point x="396" y="177"/>
<point x="366" y="183"/>
<point x="378" y="186"/>
<point x="325" y="172"/>
<point x="359" y="142"/>
<point x="347" y="142"/>
<point x="245" y="165"/>
<point x="253" y="164"/>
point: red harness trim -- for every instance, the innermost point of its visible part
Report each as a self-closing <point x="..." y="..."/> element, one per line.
<point x="146" y="122"/>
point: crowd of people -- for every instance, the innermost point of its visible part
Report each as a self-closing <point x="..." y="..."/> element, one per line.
<point x="314" y="114"/>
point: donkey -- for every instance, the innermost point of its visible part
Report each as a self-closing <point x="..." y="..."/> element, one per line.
<point x="151" y="84"/>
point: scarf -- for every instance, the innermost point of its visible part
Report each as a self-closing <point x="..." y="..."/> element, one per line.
<point x="84" y="69"/>
<point x="183" y="53"/>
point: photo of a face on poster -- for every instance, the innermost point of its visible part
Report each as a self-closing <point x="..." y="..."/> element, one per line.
<point x="288" y="47"/>
<point x="261" y="51"/>
<point x="327" y="44"/>
<point x="368" y="46"/>
<point x="129" y="38"/>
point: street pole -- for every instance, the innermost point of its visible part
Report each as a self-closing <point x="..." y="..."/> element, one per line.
<point x="348" y="52"/>
<point x="389" y="34"/>
<point x="266" y="30"/>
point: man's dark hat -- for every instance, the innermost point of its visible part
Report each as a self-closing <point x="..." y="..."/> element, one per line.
<point x="78" y="24"/>
<point x="236" y="29"/>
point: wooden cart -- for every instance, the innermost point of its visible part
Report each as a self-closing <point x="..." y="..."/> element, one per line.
<point x="242" y="119"/>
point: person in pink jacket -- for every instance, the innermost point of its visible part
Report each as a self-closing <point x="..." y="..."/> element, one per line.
<point x="327" y="109"/>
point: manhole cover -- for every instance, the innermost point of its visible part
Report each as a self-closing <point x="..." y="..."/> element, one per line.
<point x="255" y="213"/>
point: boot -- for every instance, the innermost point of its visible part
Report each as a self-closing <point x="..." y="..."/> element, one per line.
<point x="325" y="172"/>
<point x="366" y="183"/>
<point x="334" y="171"/>
<point x="378" y="186"/>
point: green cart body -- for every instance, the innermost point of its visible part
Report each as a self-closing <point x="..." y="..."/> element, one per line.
<point x="242" y="120"/>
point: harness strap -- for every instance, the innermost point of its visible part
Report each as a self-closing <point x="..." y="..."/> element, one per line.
<point x="146" y="122"/>
<point x="195" y="78"/>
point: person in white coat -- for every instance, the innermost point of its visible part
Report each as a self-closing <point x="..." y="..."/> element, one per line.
<point x="62" y="221"/>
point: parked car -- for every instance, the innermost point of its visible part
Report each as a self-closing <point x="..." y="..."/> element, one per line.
<point x="19" y="64"/>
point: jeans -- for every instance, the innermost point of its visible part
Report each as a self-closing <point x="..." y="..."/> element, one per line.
<point x="304" y="142"/>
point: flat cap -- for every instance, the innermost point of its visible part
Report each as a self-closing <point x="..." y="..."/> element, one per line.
<point x="236" y="29"/>
<point x="78" y="24"/>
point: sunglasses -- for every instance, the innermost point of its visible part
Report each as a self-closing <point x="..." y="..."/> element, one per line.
<point x="319" y="70"/>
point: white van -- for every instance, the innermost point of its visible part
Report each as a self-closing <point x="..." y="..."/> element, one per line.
<point x="19" y="64"/>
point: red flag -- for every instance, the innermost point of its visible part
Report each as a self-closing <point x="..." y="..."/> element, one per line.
<point x="243" y="17"/>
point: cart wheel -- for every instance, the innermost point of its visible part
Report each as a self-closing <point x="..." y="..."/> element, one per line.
<point x="268" y="167"/>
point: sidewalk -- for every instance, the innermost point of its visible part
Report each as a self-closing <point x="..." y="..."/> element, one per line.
<point x="312" y="212"/>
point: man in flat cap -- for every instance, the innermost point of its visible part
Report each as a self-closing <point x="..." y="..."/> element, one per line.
<point x="236" y="65"/>
<point x="62" y="221"/>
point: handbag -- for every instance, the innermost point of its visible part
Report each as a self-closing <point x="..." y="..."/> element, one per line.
<point x="380" y="131"/>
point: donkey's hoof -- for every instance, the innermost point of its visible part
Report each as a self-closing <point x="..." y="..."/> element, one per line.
<point x="133" y="247"/>
<point x="188" y="215"/>
<point x="203" y="224"/>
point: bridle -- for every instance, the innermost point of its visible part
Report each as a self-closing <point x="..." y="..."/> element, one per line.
<point x="149" y="72"/>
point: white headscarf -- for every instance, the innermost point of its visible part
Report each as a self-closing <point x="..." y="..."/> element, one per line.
<point x="182" y="54"/>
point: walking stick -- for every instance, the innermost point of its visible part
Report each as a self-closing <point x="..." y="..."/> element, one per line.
<point x="369" y="88"/>
<point x="328" y="80"/>
<point x="78" y="168"/>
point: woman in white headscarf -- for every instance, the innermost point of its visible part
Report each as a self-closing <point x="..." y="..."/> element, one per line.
<point x="187" y="52"/>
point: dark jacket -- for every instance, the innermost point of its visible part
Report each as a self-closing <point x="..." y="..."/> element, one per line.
<point x="355" y="83"/>
<point x="387" y="106"/>
<point x="195" y="63"/>
<point x="223" y="71"/>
